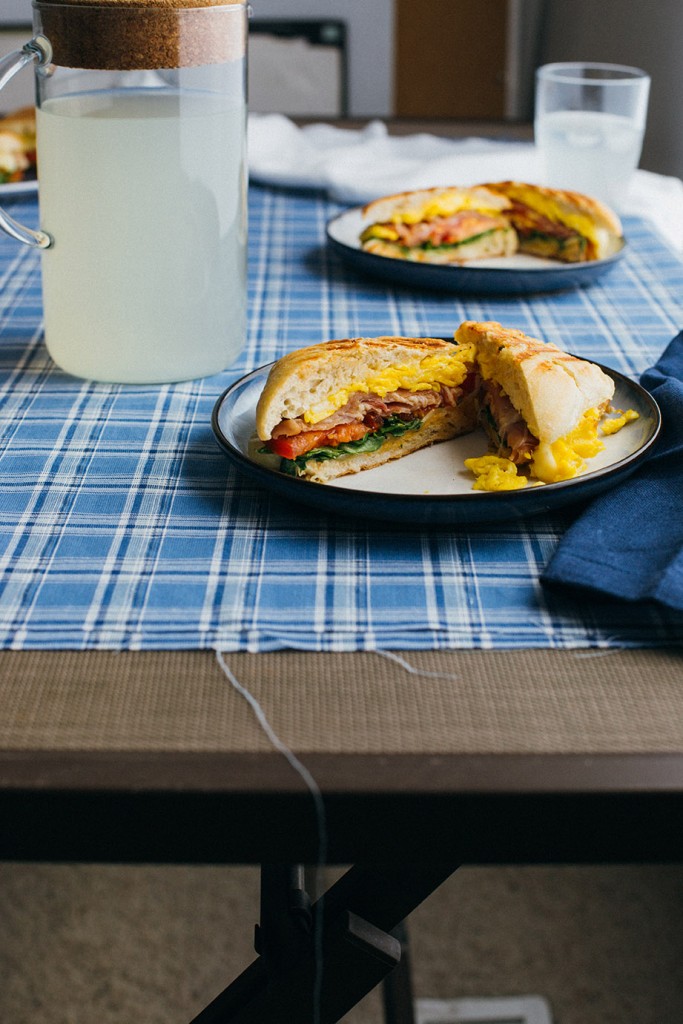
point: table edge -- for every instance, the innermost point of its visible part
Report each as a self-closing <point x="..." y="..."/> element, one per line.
<point x="399" y="774"/>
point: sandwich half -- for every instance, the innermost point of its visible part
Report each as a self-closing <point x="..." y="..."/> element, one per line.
<point x="17" y="145"/>
<point x="13" y="160"/>
<point x="344" y="406"/>
<point x="539" y="406"/>
<point x="439" y="225"/>
<point x="560" y="225"/>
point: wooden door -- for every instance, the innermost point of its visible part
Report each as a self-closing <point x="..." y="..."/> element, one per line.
<point x="450" y="58"/>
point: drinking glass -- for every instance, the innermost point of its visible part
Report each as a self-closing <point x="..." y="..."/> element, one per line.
<point x="141" y="150"/>
<point x="589" y="124"/>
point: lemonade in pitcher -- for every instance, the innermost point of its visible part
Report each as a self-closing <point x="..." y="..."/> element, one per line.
<point x="149" y="232"/>
<point x="141" y="142"/>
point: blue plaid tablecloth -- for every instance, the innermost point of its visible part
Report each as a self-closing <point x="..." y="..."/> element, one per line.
<point x="123" y="526"/>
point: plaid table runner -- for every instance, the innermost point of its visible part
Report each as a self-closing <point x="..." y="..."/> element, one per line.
<point x="123" y="526"/>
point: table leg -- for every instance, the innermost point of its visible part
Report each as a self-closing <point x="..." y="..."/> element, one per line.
<point x="397" y="987"/>
<point x="314" y="969"/>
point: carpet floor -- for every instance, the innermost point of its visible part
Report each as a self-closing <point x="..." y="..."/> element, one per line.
<point x="86" y="944"/>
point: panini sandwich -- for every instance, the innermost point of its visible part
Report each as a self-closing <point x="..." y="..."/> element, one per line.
<point x="348" y="405"/>
<point x="539" y="406"/>
<point x="440" y="225"/>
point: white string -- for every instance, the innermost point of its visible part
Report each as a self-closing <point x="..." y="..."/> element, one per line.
<point x="416" y="671"/>
<point x="599" y="652"/>
<point x="319" y="805"/>
<point x="592" y="653"/>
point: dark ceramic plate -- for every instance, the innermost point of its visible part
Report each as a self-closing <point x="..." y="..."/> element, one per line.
<point x="18" y="188"/>
<point x="432" y="486"/>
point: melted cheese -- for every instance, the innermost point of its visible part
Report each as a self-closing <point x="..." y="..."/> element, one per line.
<point x="565" y="458"/>
<point x="426" y="375"/>
<point x="495" y="474"/>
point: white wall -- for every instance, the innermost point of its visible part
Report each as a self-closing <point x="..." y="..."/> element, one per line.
<point x="645" y="34"/>
<point x="16" y="12"/>
<point x="370" y="45"/>
<point x="19" y="92"/>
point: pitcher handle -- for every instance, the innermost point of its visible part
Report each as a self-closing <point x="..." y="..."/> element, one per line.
<point x="38" y="51"/>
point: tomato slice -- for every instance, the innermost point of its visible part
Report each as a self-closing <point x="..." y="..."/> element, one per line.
<point x="291" y="447"/>
<point x="346" y="432"/>
<point x="299" y="444"/>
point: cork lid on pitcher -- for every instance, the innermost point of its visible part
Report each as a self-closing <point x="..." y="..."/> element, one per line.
<point x="127" y="35"/>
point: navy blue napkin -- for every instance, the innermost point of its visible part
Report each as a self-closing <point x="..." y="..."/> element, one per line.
<point x="629" y="541"/>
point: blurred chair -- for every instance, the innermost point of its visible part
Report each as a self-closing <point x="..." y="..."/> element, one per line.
<point x="298" y="67"/>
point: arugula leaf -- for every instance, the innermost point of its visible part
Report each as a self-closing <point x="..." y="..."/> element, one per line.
<point x="394" y="426"/>
<point x="454" y="245"/>
<point x="489" y="424"/>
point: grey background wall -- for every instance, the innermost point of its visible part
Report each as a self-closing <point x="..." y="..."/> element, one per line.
<point x="15" y="11"/>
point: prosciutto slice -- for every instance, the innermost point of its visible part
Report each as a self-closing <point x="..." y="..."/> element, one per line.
<point x="371" y="409"/>
<point x="513" y="433"/>
<point x="546" y="237"/>
<point x="447" y="230"/>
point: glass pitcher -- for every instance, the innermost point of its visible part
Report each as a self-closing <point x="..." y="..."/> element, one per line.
<point x="141" y="150"/>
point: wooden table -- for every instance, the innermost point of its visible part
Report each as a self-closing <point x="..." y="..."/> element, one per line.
<point x="503" y="757"/>
<point x="489" y="757"/>
<point x="533" y="756"/>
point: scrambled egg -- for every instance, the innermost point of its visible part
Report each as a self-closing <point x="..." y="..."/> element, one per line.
<point x="444" y="207"/>
<point x="614" y="425"/>
<point x="380" y="231"/>
<point x="495" y="474"/>
<point x="431" y="372"/>
<point x="550" y="463"/>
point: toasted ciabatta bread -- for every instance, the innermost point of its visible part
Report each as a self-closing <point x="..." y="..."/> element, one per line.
<point x="439" y="225"/>
<point x="561" y="225"/>
<point x="365" y="401"/>
<point x="539" y="404"/>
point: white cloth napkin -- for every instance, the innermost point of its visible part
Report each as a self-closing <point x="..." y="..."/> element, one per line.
<point x="356" y="166"/>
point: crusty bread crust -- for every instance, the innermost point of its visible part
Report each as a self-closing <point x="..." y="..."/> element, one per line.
<point x="501" y="242"/>
<point x="440" y="424"/>
<point x="550" y="388"/>
<point x="305" y="377"/>
<point x="448" y="200"/>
